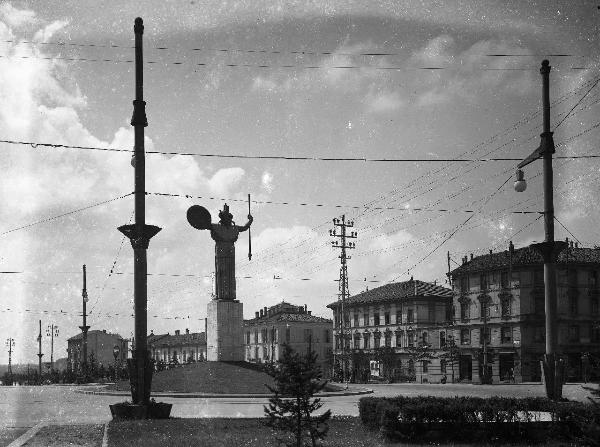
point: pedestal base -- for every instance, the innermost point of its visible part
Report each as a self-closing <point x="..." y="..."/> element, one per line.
<point x="225" y="331"/>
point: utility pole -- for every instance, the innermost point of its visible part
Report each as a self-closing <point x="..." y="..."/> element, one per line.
<point x="10" y="343"/>
<point x="339" y="231"/>
<point x="52" y="331"/>
<point x="84" y="327"/>
<point x="553" y="367"/>
<point x="139" y="235"/>
<point x="39" y="339"/>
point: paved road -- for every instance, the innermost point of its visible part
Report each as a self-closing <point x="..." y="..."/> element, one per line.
<point x="23" y="407"/>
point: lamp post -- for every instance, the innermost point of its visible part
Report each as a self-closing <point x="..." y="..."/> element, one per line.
<point x="549" y="249"/>
<point x="116" y="352"/>
<point x="39" y="340"/>
<point x="10" y="343"/>
<point x="52" y="331"/>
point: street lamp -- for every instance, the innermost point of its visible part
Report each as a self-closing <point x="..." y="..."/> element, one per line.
<point x="116" y="352"/>
<point x="10" y="344"/>
<point x="84" y="327"/>
<point x="549" y="249"/>
<point x="52" y="331"/>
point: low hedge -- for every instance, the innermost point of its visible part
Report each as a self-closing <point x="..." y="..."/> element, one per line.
<point x="471" y="418"/>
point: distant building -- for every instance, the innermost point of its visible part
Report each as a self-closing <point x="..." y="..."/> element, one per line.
<point x="100" y="345"/>
<point x="385" y="327"/>
<point x="499" y="299"/>
<point x="187" y="347"/>
<point x="271" y="327"/>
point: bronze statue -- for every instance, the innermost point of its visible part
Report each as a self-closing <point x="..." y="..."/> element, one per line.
<point x="225" y="234"/>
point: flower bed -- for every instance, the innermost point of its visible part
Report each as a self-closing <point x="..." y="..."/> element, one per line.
<point x="474" y="419"/>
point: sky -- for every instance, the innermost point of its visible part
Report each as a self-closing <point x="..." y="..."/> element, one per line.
<point x="372" y="85"/>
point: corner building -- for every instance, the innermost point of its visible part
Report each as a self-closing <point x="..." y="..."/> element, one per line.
<point x="499" y="302"/>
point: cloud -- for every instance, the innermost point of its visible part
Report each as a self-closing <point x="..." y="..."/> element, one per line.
<point x="17" y="17"/>
<point x="47" y="32"/>
<point x="224" y="180"/>
<point x="383" y="102"/>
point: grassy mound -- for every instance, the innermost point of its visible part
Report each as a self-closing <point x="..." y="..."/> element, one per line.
<point x="209" y="377"/>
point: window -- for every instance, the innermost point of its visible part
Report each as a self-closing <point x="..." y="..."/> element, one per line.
<point x="410" y="318"/>
<point x="376" y="318"/>
<point x="485" y="302"/>
<point x="411" y="338"/>
<point x="504" y="280"/>
<point x="443" y="366"/>
<point x="398" y="339"/>
<point x="356" y="341"/>
<point x="356" y="318"/>
<point x="442" y="339"/>
<point x="572" y="303"/>
<point x="425" y="366"/>
<point x="505" y="305"/>
<point x="431" y="312"/>
<point x="506" y="335"/>
<point x="377" y="339"/>
<point x="247" y="338"/>
<point x="593" y="279"/>
<point x="464" y="311"/>
<point x="483" y="283"/>
<point x="288" y="335"/>
<point x="367" y="338"/>
<point x="574" y="333"/>
<point x="327" y="336"/>
<point x="367" y="318"/>
<point x="399" y="317"/>
<point x="386" y="318"/>
<point x="425" y="338"/>
<point x="464" y="284"/>
<point x="308" y="335"/>
<point x="256" y="353"/>
<point x="388" y="339"/>
<point x="484" y="335"/>
<point x="465" y="337"/>
<point x="256" y="336"/>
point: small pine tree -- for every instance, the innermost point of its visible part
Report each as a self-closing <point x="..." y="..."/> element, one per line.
<point x="297" y="379"/>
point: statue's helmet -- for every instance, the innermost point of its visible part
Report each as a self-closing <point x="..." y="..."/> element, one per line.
<point x="225" y="215"/>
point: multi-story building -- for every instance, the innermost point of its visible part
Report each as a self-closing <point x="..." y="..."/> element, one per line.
<point x="499" y="308"/>
<point x="286" y="323"/>
<point x="178" y="348"/>
<point x="393" y="330"/>
<point x="100" y="347"/>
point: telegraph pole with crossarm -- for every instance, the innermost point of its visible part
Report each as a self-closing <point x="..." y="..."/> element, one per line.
<point x="341" y="235"/>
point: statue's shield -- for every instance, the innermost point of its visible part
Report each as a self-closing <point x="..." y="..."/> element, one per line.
<point x="199" y="217"/>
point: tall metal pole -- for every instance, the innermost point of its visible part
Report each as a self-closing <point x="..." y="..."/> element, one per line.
<point x="549" y="249"/>
<point x="39" y="339"/>
<point x="10" y="342"/>
<point x="84" y="327"/>
<point x="51" y="331"/>
<point x="140" y="234"/>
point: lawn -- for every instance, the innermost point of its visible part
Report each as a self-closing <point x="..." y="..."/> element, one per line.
<point x="68" y="435"/>
<point x="209" y="377"/>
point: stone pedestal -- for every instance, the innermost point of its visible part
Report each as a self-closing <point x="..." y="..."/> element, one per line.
<point x="225" y="331"/>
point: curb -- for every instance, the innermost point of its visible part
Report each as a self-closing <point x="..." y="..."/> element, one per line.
<point x="223" y="396"/>
<point x="21" y="440"/>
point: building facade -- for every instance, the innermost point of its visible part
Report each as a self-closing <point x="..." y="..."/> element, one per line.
<point x="499" y="309"/>
<point x="393" y="331"/>
<point x="100" y="347"/>
<point x="285" y="323"/>
<point x="177" y="348"/>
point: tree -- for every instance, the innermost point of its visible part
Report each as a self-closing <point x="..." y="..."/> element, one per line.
<point x="450" y="353"/>
<point x="297" y="379"/>
<point x="389" y="359"/>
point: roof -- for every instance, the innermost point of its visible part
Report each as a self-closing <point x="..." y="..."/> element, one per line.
<point x="527" y="256"/>
<point x="194" y="338"/>
<point x="95" y="331"/>
<point x="290" y="317"/>
<point x="397" y="291"/>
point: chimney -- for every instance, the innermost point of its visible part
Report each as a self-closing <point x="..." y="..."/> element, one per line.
<point x="305" y="308"/>
<point x="309" y="312"/>
<point x="490" y="251"/>
<point x="576" y="244"/>
<point x="471" y="256"/>
<point x="187" y="331"/>
<point x="256" y="315"/>
<point x="205" y="325"/>
<point x="511" y="247"/>
<point x="177" y="332"/>
<point x="265" y="309"/>
<point x="261" y="313"/>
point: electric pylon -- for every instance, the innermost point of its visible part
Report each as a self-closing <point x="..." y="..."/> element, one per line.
<point x="344" y="292"/>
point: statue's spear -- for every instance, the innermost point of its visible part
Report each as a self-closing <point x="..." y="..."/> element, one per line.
<point x="249" y="234"/>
